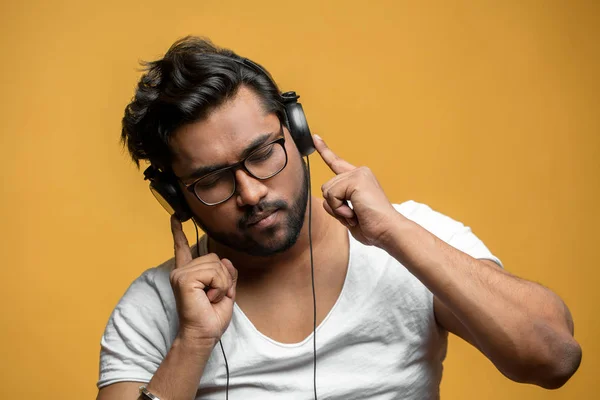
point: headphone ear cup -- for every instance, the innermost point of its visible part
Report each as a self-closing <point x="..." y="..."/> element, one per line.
<point x="297" y="123"/>
<point x="168" y="195"/>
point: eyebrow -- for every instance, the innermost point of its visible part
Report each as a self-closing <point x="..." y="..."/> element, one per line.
<point x="255" y="144"/>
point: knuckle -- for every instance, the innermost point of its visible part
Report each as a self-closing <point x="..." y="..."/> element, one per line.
<point x="178" y="247"/>
<point x="181" y="280"/>
<point x="212" y="257"/>
<point x="225" y="271"/>
<point x="177" y="278"/>
<point x="216" y="273"/>
<point x="224" y="281"/>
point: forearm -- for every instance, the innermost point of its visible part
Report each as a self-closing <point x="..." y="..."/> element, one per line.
<point x="178" y="376"/>
<point x="521" y="326"/>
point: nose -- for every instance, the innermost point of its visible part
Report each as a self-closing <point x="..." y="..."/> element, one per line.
<point x="249" y="190"/>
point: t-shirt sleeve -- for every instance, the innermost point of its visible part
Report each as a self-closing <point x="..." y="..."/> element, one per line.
<point x="137" y="334"/>
<point x="447" y="229"/>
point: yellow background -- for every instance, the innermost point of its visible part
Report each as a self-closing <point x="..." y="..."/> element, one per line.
<point x="489" y="111"/>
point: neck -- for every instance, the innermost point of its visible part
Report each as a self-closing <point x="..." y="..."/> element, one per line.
<point x="253" y="268"/>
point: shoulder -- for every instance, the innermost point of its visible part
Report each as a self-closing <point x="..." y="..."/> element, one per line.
<point x="437" y="223"/>
<point x="151" y="286"/>
<point x="451" y="231"/>
<point x="140" y="329"/>
<point x="147" y="305"/>
<point x="152" y="289"/>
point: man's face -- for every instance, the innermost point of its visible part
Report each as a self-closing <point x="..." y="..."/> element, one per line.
<point x="223" y="138"/>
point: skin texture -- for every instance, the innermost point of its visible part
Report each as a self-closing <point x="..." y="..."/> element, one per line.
<point x="522" y="327"/>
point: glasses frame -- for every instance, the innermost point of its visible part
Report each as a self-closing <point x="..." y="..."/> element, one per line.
<point x="240" y="165"/>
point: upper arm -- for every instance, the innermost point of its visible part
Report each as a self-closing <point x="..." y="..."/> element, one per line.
<point x="120" y="391"/>
<point x="137" y="336"/>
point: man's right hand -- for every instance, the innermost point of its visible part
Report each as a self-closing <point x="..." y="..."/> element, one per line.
<point x="204" y="290"/>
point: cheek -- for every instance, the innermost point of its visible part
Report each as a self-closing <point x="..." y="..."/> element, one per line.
<point x="287" y="183"/>
<point x="222" y="216"/>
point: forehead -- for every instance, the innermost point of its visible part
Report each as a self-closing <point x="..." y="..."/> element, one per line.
<point x="223" y="135"/>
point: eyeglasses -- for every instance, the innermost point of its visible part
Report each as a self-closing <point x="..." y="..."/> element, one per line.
<point x="263" y="163"/>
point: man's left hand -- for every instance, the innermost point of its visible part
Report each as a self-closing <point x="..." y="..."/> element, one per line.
<point x="372" y="215"/>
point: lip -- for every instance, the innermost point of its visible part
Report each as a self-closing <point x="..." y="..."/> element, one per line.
<point x="257" y="219"/>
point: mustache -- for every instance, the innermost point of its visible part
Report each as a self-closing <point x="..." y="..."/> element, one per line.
<point x="263" y="206"/>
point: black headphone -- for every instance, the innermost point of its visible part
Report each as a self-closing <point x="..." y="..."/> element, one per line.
<point x="164" y="187"/>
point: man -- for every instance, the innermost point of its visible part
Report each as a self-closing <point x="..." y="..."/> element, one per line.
<point x="236" y="313"/>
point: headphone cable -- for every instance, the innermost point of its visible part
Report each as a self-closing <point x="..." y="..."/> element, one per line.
<point x="312" y="276"/>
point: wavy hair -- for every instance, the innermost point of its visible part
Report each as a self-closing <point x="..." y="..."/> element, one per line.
<point x="193" y="78"/>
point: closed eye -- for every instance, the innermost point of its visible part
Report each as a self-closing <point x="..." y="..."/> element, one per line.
<point x="209" y="181"/>
<point x="262" y="154"/>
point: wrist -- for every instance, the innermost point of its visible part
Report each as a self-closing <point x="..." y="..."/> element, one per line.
<point x="397" y="226"/>
<point x="194" y="340"/>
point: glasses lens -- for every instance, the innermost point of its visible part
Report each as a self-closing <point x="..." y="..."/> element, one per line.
<point x="267" y="161"/>
<point x="215" y="188"/>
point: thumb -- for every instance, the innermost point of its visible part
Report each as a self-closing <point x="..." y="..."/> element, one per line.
<point x="234" y="277"/>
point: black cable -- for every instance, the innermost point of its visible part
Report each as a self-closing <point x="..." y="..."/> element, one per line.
<point x="226" y="369"/>
<point x="312" y="275"/>
<point x="220" y="342"/>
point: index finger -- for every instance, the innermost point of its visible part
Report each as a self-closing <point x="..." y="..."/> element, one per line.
<point x="183" y="254"/>
<point x="335" y="163"/>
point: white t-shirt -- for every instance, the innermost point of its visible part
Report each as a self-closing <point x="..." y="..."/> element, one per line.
<point x="379" y="341"/>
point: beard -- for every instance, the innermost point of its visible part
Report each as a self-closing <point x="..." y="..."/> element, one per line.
<point x="270" y="243"/>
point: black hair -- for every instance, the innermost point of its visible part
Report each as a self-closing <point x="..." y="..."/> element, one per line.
<point x="193" y="78"/>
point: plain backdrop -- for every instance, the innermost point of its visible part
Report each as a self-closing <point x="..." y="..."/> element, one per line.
<point x="488" y="111"/>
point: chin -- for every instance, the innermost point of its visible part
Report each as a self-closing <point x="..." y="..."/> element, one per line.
<point x="274" y="241"/>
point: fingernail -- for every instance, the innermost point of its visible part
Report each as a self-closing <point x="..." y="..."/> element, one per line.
<point x="318" y="137"/>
